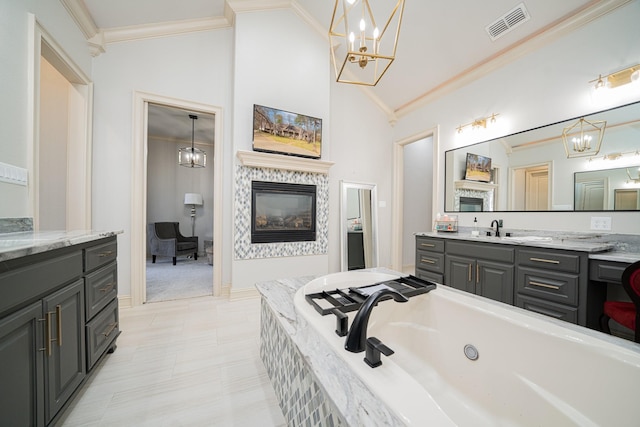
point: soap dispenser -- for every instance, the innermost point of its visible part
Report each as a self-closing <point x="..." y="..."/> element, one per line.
<point x="475" y="231"/>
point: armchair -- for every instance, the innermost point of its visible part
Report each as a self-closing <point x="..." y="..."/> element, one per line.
<point x="165" y="240"/>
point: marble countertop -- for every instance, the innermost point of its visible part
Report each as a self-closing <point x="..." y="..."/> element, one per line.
<point x="16" y="245"/>
<point x="610" y="247"/>
<point x="356" y="402"/>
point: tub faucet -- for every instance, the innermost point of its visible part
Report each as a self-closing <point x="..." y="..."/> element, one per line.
<point x="357" y="336"/>
<point x="498" y="223"/>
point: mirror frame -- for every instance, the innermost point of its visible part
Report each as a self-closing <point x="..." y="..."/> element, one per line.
<point x="344" y="187"/>
<point x="630" y="104"/>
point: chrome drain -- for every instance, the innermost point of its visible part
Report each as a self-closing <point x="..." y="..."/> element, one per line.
<point x="471" y="352"/>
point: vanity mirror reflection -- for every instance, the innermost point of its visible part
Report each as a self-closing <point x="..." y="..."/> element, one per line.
<point x="532" y="171"/>
<point x="358" y="226"/>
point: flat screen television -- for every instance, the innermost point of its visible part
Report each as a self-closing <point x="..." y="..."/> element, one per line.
<point x="477" y="168"/>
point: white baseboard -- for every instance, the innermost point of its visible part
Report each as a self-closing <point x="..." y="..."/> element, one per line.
<point x="124" y="301"/>
<point x="245" y="293"/>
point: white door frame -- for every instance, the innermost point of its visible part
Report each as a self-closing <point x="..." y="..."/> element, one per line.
<point x="79" y="139"/>
<point x="139" y="190"/>
<point x="397" y="211"/>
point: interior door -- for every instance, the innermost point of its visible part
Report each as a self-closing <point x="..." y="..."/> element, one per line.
<point x="537" y="189"/>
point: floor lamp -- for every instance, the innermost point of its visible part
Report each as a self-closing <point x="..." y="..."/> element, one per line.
<point x="193" y="199"/>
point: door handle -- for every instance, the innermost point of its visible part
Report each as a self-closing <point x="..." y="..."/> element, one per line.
<point x="59" y="323"/>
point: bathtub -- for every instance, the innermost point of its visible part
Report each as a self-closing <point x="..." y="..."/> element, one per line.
<point x="530" y="371"/>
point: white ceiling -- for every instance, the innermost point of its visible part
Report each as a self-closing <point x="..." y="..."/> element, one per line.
<point x="441" y="42"/>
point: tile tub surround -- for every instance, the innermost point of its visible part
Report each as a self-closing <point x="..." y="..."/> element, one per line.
<point x="15" y="225"/>
<point x="17" y="245"/>
<point x="324" y="385"/>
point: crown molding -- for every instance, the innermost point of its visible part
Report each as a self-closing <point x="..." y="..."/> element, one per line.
<point x="148" y="31"/>
<point x="80" y="14"/>
<point x="582" y="16"/>
<point x="240" y="6"/>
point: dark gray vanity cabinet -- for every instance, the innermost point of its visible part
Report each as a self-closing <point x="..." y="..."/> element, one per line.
<point x="554" y="282"/>
<point x="430" y="259"/>
<point x="480" y="268"/>
<point x="43" y="326"/>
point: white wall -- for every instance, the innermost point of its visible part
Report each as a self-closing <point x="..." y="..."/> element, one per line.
<point x="546" y="86"/>
<point x="195" y="67"/>
<point x="15" y="103"/>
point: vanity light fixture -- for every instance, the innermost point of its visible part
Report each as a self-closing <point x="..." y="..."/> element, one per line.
<point x="362" y="50"/>
<point x="619" y="78"/>
<point x="583" y="138"/>
<point x="192" y="157"/>
<point x="479" y="123"/>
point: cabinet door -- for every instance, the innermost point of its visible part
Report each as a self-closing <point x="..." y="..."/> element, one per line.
<point x="65" y="364"/>
<point x="495" y="280"/>
<point x="21" y="368"/>
<point x="459" y="273"/>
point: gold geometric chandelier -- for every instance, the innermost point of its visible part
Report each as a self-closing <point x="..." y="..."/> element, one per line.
<point x="363" y="40"/>
<point x="192" y="157"/>
<point x="583" y="138"/>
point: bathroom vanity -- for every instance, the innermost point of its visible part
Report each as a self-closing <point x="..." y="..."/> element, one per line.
<point x="563" y="278"/>
<point x="58" y="317"/>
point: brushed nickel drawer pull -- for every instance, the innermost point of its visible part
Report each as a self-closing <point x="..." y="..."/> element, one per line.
<point x="108" y="287"/>
<point x="111" y="328"/>
<point x="59" y="323"/>
<point x="544" y="285"/>
<point x="428" y="245"/>
<point x="105" y="253"/>
<point x="427" y="260"/>
<point x="548" y="261"/>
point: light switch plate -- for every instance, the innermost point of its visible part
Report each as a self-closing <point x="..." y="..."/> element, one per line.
<point x="602" y="223"/>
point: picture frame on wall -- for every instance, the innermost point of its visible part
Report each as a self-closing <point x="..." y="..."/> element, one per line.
<point x="283" y="132"/>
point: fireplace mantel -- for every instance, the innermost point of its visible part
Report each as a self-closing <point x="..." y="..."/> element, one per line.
<point x="475" y="185"/>
<point x="258" y="159"/>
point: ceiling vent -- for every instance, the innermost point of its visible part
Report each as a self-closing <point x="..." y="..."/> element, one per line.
<point x="507" y="22"/>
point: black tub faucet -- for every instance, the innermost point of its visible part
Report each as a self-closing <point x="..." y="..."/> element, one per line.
<point x="498" y="223"/>
<point x="357" y="336"/>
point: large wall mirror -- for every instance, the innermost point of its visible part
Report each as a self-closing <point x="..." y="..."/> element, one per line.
<point x="358" y="226"/>
<point x="532" y="170"/>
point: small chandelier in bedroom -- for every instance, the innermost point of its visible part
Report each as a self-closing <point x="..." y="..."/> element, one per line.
<point x="192" y="157"/>
<point x="363" y="39"/>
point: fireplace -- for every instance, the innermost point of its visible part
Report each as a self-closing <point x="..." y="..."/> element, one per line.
<point x="471" y="204"/>
<point x="282" y="212"/>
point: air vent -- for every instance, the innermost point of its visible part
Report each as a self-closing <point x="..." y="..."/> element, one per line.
<point x="507" y="22"/>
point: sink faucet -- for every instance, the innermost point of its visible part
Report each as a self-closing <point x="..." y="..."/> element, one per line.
<point x="357" y="336"/>
<point x="498" y="223"/>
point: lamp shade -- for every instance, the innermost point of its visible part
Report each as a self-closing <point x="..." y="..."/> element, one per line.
<point x="192" y="198"/>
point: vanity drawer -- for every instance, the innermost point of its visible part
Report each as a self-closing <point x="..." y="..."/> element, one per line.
<point x="486" y="251"/>
<point x="606" y="271"/>
<point x="430" y="261"/>
<point x="548" y="285"/>
<point x="548" y="308"/>
<point x="549" y="260"/>
<point x="99" y="255"/>
<point x="101" y="287"/>
<point x="429" y="276"/>
<point x="101" y="332"/>
<point x="429" y="244"/>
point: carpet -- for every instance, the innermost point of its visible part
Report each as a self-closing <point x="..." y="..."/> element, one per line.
<point x="188" y="279"/>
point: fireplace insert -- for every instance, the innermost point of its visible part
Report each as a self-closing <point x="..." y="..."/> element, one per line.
<point x="282" y="212"/>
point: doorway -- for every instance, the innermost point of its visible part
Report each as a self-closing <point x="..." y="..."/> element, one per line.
<point x="142" y="102"/>
<point x="416" y="182"/>
<point x="530" y="189"/>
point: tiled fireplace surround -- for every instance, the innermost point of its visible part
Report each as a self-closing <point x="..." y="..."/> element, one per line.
<point x="276" y="172"/>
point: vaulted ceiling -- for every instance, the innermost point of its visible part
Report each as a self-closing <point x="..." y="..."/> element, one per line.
<point x="443" y="45"/>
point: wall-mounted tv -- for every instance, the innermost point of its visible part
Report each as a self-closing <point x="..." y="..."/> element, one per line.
<point x="478" y="168"/>
<point x="283" y="132"/>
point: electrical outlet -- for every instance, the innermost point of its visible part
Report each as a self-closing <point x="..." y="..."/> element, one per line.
<point x="601" y="223"/>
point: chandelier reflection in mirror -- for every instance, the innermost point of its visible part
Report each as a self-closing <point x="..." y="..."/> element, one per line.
<point x="583" y="138"/>
<point x="192" y="157"/>
<point x="363" y="37"/>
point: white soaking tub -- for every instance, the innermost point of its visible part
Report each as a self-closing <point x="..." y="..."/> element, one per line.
<point x="531" y="370"/>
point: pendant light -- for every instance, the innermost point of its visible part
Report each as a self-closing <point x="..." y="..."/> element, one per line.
<point x="192" y="157"/>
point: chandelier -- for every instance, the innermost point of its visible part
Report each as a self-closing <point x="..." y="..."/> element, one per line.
<point x="364" y="40"/>
<point x="583" y="138"/>
<point x="192" y="157"/>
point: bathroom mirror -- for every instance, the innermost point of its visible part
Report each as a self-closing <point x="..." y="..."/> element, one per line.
<point x="358" y="226"/>
<point x="608" y="189"/>
<point x="530" y="170"/>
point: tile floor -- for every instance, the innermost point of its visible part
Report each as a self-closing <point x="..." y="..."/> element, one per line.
<point x="190" y="362"/>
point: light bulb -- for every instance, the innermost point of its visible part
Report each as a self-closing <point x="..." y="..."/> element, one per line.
<point x="362" y="24"/>
<point x="351" y="1"/>
<point x="635" y="76"/>
<point x="376" y="33"/>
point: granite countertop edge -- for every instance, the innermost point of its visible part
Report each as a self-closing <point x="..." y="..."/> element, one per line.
<point x="357" y="404"/>
<point x="16" y="245"/>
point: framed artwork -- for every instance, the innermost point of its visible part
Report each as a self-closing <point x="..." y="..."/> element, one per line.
<point x="284" y="132"/>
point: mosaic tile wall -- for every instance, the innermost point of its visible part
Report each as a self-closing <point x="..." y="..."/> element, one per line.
<point x="242" y="246"/>
<point x="302" y="400"/>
